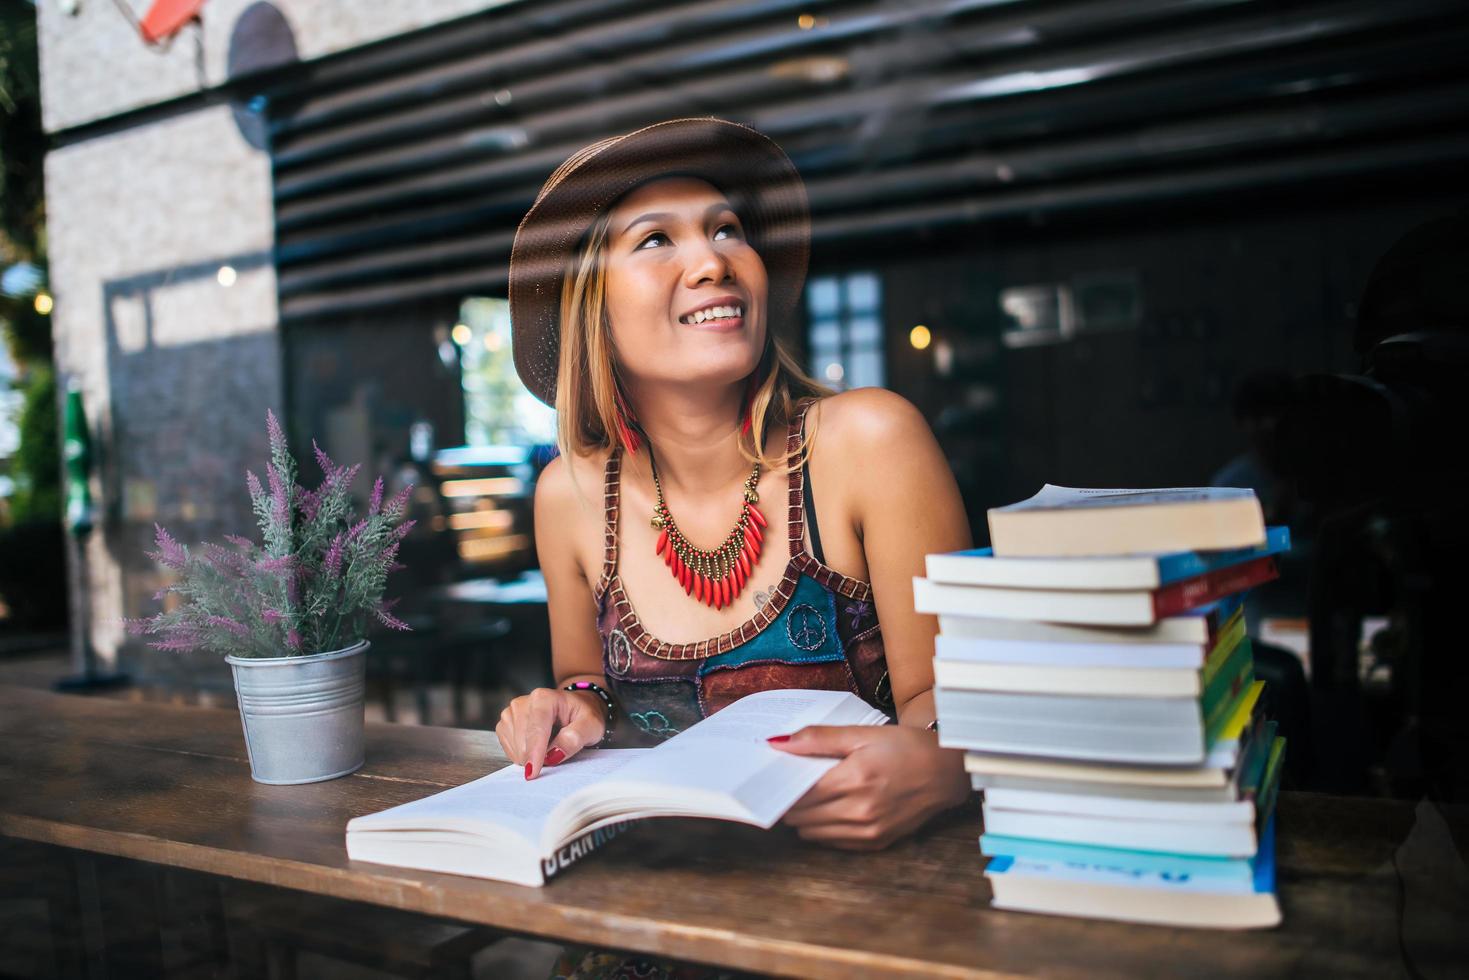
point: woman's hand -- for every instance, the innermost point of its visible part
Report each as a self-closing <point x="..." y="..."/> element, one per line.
<point x="576" y="718"/>
<point x="890" y="781"/>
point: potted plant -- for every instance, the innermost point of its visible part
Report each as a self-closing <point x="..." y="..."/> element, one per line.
<point x="291" y="613"/>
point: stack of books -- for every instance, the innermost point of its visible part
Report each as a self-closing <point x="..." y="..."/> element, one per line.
<point x="1094" y="666"/>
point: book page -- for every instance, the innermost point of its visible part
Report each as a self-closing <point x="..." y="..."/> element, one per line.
<point x="727" y="754"/>
<point x="504" y="798"/>
<point x="1052" y="497"/>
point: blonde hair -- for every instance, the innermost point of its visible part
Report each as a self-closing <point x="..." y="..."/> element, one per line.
<point x="588" y="392"/>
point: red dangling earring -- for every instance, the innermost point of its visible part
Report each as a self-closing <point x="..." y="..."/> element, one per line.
<point x="630" y="440"/>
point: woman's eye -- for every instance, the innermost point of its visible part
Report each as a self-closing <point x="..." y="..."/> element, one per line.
<point x="726" y="231"/>
<point x="656" y="238"/>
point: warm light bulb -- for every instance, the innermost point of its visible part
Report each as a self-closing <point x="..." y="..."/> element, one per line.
<point x="835" y="371"/>
<point x="226" y="275"/>
<point x="43" y="303"/>
<point x="805" y="22"/>
<point x="462" y="334"/>
<point x="493" y="342"/>
<point x="919" y="337"/>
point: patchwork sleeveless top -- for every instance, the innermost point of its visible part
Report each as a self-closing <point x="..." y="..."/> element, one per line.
<point x="818" y="631"/>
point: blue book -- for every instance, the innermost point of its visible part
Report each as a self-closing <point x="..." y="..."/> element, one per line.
<point x="1239" y="872"/>
<point x="1111" y="883"/>
<point x="979" y="566"/>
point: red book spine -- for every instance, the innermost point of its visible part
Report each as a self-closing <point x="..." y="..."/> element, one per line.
<point x="1180" y="597"/>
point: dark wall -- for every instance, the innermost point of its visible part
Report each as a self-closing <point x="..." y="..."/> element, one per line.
<point x="1222" y="297"/>
<point x="358" y="384"/>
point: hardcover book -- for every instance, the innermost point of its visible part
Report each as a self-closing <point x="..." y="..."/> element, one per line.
<point x="1200" y="625"/>
<point x="1134" y="607"/>
<point x="1105" y="883"/>
<point x="505" y="827"/>
<point x="979" y="566"/>
<point x="1067" y="522"/>
<point x="1056" y="653"/>
<point x="1121" y="676"/>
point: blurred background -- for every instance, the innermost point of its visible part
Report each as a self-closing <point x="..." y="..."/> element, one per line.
<point x="1098" y="243"/>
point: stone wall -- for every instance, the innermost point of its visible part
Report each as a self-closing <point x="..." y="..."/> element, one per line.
<point x="161" y="232"/>
<point x="94" y="65"/>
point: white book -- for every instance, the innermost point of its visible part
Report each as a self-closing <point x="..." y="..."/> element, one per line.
<point x="1069" y="521"/>
<point x="1134" y="608"/>
<point x="1129" y="791"/>
<point x="1192" y="627"/>
<point x="1134" y="682"/>
<point x="979" y="566"/>
<point x="505" y="827"/>
<point x="1047" y="653"/>
<point x="1116" y="807"/>
<point x="1223" y="839"/>
<point x="1215" y="772"/>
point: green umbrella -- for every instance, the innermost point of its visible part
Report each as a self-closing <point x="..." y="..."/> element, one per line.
<point x="78" y="453"/>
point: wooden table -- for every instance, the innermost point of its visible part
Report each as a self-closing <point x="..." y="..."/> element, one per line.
<point x="170" y="785"/>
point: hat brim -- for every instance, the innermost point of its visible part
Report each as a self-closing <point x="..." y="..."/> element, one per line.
<point x="740" y="161"/>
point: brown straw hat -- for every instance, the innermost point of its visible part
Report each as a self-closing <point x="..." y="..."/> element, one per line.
<point x="746" y="165"/>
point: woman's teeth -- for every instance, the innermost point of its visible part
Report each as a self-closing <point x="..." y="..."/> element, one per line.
<point x="713" y="313"/>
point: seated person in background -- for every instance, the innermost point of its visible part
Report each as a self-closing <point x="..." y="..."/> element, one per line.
<point x="648" y="284"/>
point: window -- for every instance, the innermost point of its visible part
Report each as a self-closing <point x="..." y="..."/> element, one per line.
<point x="846" y="329"/>
<point x="498" y="410"/>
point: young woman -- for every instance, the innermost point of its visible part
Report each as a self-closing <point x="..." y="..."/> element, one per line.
<point x="678" y="529"/>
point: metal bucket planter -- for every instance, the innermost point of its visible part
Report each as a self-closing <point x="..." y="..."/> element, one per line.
<point x="302" y="715"/>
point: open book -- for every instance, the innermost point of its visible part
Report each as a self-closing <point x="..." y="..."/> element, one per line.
<point x="504" y="827"/>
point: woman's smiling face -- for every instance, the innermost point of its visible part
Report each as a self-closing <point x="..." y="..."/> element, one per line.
<point x="685" y="291"/>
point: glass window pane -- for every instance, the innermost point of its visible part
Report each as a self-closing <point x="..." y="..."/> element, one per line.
<point x="864" y="294"/>
<point x="822" y="297"/>
<point x="866" y="369"/>
<point x="865" y="331"/>
<point x="826" y="337"/>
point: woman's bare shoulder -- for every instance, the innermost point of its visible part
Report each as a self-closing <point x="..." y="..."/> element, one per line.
<point x="571" y="486"/>
<point x="864" y="422"/>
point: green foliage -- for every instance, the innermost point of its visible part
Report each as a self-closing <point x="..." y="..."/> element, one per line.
<point x="312" y="586"/>
<point x="36" y="466"/>
<point x="22" y="140"/>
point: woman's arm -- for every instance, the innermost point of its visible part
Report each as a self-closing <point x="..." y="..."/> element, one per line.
<point x="898" y="498"/>
<point x="564" y="521"/>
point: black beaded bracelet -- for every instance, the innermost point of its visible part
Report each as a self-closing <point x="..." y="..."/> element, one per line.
<point x="607" y="702"/>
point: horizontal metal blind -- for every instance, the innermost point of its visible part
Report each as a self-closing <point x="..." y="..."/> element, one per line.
<point x="402" y="169"/>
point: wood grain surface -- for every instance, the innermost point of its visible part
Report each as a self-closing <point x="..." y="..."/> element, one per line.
<point x="171" y="785"/>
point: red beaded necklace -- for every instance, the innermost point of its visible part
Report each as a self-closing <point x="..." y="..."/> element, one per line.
<point x="713" y="577"/>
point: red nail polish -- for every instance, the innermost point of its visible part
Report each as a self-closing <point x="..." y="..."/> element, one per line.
<point x="778" y="738"/>
<point x="555" y="756"/>
<point x="527" y="770"/>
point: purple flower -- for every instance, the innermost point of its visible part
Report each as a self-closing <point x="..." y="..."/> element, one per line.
<point x="357" y="529"/>
<point x="332" y="564"/>
<point x="225" y="623"/>
<point x="376" y="500"/>
<point x="280" y="504"/>
<point x="169" y="552"/>
<point x="180" y="643"/>
<point x="323" y="460"/>
<point x="277" y="436"/>
<point x="253" y="482"/>
<point x="272" y="616"/>
<point x="398" y="502"/>
<point x="308" y="502"/>
<point x="274" y="565"/>
<point x="244" y="544"/>
<point x="293" y="640"/>
<point x="388" y="619"/>
<point x="857" y="610"/>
